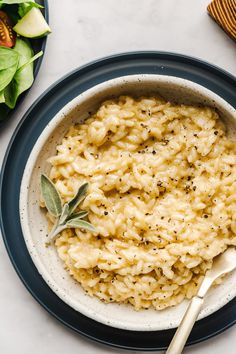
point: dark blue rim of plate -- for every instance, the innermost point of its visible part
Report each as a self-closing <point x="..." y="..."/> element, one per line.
<point x="23" y="139"/>
<point x="37" y="45"/>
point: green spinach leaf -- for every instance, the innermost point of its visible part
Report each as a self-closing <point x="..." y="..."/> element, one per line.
<point x="31" y="60"/>
<point x="8" y="57"/>
<point x="2" y="98"/>
<point x="22" y="79"/>
<point x="9" y="60"/>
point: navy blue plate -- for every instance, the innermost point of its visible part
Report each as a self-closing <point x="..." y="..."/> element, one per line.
<point x="37" y="45"/>
<point x="27" y="132"/>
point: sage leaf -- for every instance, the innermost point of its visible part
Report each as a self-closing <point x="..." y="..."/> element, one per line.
<point x="79" y="215"/>
<point x="51" y="196"/>
<point x="64" y="214"/>
<point x="78" y="198"/>
<point x="72" y="223"/>
<point x="65" y="218"/>
<point x="82" y="224"/>
<point x="55" y="231"/>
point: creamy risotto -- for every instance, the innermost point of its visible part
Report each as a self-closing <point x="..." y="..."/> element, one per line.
<point x="161" y="195"/>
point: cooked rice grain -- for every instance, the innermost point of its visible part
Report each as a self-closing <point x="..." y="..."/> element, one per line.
<point x="162" y="197"/>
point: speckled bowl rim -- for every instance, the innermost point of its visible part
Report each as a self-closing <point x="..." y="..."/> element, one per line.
<point x="23" y="200"/>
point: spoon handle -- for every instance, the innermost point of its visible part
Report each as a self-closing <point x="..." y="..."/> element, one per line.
<point x="181" y="335"/>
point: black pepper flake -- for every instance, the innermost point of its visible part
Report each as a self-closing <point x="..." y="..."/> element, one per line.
<point x="205" y="216"/>
<point x="105" y="212"/>
<point x="194" y="188"/>
<point x="154" y="152"/>
<point x="216" y="132"/>
<point x="165" y="142"/>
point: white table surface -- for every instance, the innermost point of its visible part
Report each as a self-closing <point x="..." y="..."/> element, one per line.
<point x="82" y="31"/>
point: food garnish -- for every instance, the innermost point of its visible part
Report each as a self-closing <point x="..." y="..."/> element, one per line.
<point x="67" y="216"/>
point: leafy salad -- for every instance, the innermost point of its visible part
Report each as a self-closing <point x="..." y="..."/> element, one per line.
<point x="20" y="23"/>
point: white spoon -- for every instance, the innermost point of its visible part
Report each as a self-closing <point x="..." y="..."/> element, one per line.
<point x="224" y="263"/>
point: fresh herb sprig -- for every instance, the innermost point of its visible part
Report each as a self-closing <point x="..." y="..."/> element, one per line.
<point x="66" y="215"/>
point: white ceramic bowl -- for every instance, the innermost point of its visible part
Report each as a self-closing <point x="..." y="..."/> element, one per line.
<point x="34" y="223"/>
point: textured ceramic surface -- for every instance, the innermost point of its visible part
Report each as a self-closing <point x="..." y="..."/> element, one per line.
<point x="34" y="223"/>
